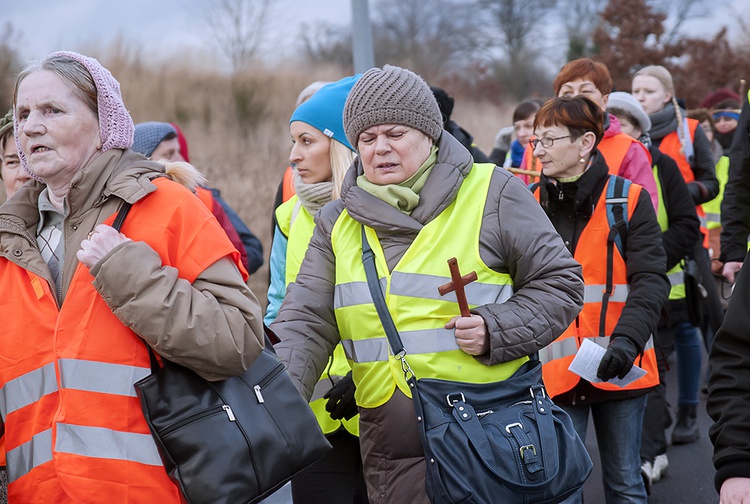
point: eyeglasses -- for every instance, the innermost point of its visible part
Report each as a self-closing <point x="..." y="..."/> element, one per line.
<point x="545" y="141"/>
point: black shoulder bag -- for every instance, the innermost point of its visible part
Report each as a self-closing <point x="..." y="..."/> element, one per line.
<point x="490" y="442"/>
<point x="230" y="441"/>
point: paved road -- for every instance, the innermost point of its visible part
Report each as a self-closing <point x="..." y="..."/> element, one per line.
<point x="690" y="477"/>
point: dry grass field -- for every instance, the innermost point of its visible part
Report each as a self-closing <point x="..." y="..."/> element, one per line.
<point x="237" y="127"/>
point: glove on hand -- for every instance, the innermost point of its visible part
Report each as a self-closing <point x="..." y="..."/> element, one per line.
<point x="503" y="138"/>
<point x="341" y="403"/>
<point x="618" y="359"/>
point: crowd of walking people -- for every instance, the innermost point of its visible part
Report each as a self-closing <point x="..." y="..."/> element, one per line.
<point x="618" y="218"/>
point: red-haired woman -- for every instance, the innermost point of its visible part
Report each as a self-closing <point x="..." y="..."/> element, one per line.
<point x="610" y="226"/>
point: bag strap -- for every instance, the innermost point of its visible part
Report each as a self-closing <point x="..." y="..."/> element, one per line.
<point x="121" y="214"/>
<point x="376" y="292"/>
<point x="117" y="225"/>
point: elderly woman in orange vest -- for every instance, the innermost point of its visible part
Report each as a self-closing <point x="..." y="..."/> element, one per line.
<point x="610" y="226"/>
<point x="88" y="299"/>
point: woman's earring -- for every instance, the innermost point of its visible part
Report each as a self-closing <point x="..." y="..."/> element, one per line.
<point x="582" y="161"/>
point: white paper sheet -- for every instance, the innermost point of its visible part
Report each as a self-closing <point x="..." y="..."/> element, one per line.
<point x="586" y="362"/>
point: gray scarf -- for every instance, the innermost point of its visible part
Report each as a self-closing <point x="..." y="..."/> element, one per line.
<point x="664" y="122"/>
<point x="313" y="196"/>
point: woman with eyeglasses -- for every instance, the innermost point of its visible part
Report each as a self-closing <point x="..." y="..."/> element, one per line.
<point x="610" y="227"/>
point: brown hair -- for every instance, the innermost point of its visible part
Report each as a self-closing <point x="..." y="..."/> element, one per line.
<point x="526" y="109"/>
<point x="577" y="113"/>
<point x="587" y="69"/>
<point x="701" y="115"/>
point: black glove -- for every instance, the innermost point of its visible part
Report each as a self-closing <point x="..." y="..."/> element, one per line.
<point x="618" y="359"/>
<point x="341" y="403"/>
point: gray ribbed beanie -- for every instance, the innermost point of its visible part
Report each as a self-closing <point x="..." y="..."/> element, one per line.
<point x="392" y="95"/>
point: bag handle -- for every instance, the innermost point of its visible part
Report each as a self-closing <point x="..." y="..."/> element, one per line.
<point x="121" y="214"/>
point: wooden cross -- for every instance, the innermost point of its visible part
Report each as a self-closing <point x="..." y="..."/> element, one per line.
<point x="457" y="284"/>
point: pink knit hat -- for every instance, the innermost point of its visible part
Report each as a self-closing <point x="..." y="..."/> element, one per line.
<point x="115" y="124"/>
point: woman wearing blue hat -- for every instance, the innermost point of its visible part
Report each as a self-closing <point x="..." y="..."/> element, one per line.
<point x="320" y="156"/>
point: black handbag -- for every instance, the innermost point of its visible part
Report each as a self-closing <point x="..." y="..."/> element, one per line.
<point x="230" y="441"/>
<point x="701" y="294"/>
<point x="492" y="442"/>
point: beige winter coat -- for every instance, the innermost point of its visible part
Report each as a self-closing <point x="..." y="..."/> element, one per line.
<point x="217" y="312"/>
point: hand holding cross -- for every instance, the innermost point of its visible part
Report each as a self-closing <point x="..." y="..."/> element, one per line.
<point x="457" y="284"/>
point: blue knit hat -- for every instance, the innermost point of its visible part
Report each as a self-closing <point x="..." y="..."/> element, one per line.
<point x="148" y="136"/>
<point x="325" y="109"/>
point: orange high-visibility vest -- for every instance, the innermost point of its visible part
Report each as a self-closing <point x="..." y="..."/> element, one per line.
<point x="672" y="147"/>
<point x="287" y="185"/>
<point x="597" y="319"/>
<point x="74" y="430"/>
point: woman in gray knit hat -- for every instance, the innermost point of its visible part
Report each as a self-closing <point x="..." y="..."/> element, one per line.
<point x="421" y="200"/>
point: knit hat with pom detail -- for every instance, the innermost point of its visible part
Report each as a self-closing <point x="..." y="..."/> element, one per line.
<point x="392" y="95"/>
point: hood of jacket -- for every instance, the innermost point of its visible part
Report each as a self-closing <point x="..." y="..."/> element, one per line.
<point x="611" y="125"/>
<point x="453" y="164"/>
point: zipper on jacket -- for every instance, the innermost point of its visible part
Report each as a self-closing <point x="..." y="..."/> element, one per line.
<point x="265" y="381"/>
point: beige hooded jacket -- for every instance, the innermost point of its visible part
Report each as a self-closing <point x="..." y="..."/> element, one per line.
<point x="213" y="326"/>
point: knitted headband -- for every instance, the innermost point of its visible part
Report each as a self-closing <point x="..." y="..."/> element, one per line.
<point x="324" y="109"/>
<point x="148" y="136"/>
<point x="732" y="114"/>
<point x="115" y="124"/>
<point x="628" y="103"/>
<point x="392" y="95"/>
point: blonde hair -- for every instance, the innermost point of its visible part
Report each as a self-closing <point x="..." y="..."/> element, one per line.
<point x="341" y="159"/>
<point x="663" y="75"/>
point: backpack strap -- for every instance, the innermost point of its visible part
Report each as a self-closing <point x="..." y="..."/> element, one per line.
<point x="617" y="217"/>
<point x="617" y="210"/>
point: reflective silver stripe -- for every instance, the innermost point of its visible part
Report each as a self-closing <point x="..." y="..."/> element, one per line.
<point x="106" y="378"/>
<point x="569" y="346"/>
<point x="369" y="350"/>
<point x="35" y="452"/>
<point x="677" y="278"/>
<point x="98" y="442"/>
<point x="27" y="389"/>
<point x="617" y="200"/>
<point x="418" y="285"/>
<point x="593" y="293"/>
<point x="704" y="221"/>
<point x="713" y="217"/>
<point x="558" y="350"/>
<point x="353" y="293"/>
<point x="424" y="341"/>
<point x="427" y="341"/>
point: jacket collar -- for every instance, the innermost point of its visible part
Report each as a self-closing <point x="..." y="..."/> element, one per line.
<point x="454" y="163"/>
<point x="124" y="174"/>
<point x="584" y="192"/>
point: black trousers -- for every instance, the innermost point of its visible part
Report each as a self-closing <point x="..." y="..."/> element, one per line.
<point x="337" y="478"/>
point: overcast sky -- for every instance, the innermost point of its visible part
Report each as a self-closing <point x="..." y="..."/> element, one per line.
<point x="175" y="27"/>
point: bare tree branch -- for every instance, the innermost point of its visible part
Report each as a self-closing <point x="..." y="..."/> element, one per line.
<point x="237" y="27"/>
